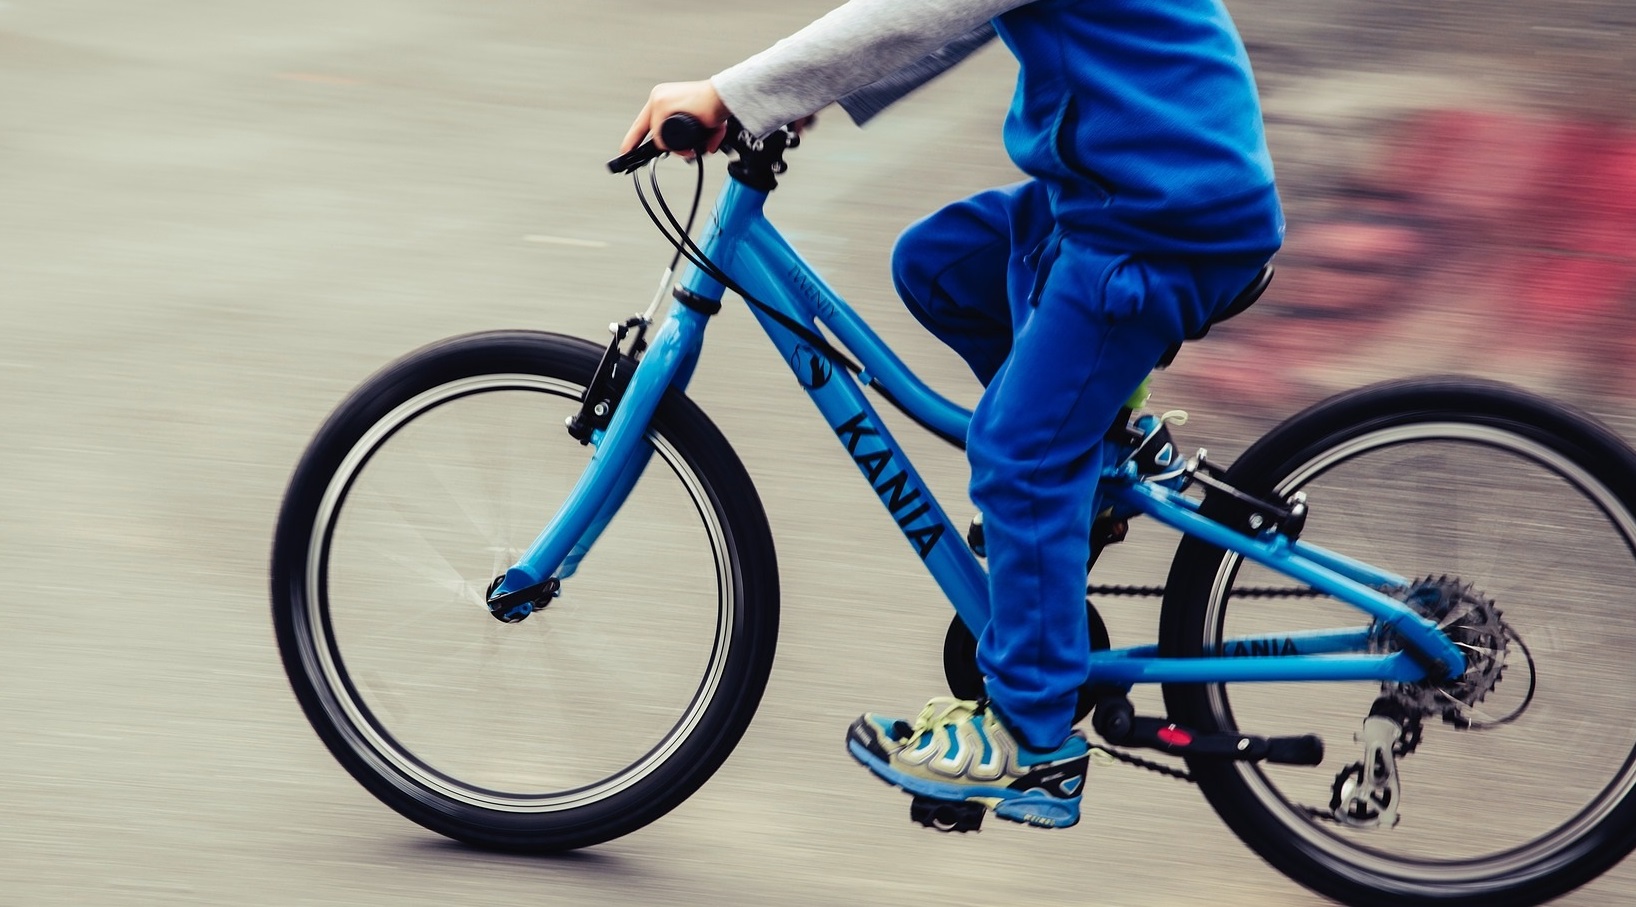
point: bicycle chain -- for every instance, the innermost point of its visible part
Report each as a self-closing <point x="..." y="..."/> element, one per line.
<point x="1312" y="812"/>
<point x="1158" y="592"/>
<point x="1322" y="815"/>
<point x="1139" y="762"/>
<point x="1252" y="592"/>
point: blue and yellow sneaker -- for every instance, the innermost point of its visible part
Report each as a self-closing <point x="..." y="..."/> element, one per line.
<point x="960" y="752"/>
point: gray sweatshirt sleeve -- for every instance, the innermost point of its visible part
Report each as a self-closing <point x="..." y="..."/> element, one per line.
<point x="853" y="46"/>
<point x="865" y="103"/>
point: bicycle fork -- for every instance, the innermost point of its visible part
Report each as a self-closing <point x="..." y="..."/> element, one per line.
<point x="614" y="419"/>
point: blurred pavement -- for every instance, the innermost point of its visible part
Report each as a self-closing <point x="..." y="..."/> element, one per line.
<point x="217" y="218"/>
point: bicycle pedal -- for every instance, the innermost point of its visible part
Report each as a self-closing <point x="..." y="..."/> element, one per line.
<point x="947" y="815"/>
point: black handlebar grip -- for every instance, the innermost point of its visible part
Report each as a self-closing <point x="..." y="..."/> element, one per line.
<point x="679" y="131"/>
<point x="682" y="132"/>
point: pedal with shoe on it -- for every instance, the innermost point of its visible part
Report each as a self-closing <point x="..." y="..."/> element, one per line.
<point x="1116" y="721"/>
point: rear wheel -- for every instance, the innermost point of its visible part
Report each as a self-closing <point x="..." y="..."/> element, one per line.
<point x="600" y="712"/>
<point x="1523" y="794"/>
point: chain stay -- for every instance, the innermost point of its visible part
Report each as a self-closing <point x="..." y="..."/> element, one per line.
<point x="1158" y="592"/>
<point x="1251" y="592"/>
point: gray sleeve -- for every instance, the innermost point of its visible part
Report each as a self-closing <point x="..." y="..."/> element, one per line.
<point x="865" y="103"/>
<point x="853" y="46"/>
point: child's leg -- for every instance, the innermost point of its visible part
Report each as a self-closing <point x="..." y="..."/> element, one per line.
<point x="1095" y="329"/>
<point x="953" y="269"/>
<point x="1060" y="334"/>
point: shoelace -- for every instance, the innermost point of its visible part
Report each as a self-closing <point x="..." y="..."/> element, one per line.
<point x="941" y="711"/>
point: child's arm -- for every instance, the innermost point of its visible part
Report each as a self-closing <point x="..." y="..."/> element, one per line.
<point x="865" y="103"/>
<point x="851" y="47"/>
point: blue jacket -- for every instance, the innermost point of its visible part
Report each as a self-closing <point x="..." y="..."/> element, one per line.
<point x="1142" y="118"/>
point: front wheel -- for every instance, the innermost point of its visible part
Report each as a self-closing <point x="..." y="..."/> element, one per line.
<point x="1526" y="510"/>
<point x="600" y="712"/>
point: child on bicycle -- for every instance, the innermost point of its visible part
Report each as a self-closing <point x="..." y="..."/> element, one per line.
<point x="1150" y="204"/>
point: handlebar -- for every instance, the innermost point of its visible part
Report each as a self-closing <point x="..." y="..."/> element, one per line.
<point x="679" y="132"/>
<point x="758" y="161"/>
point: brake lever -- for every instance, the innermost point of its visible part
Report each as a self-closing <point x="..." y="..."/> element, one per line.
<point x="634" y="158"/>
<point x="734" y="141"/>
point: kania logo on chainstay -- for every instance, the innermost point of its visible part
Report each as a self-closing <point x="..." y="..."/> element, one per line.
<point x="1241" y="648"/>
<point x="906" y="503"/>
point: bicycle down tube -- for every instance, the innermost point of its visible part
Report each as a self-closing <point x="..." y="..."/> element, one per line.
<point x="745" y="245"/>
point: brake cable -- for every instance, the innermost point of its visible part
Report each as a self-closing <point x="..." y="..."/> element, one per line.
<point x="685" y="246"/>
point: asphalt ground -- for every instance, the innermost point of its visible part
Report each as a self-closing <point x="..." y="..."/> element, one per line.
<point x="217" y="218"/>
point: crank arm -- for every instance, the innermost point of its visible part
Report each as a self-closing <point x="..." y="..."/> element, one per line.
<point x="1117" y="724"/>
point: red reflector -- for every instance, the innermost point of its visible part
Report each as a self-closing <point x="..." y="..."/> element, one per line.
<point x="1175" y="736"/>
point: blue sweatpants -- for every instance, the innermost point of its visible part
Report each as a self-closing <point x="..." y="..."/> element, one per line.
<point x="1060" y="331"/>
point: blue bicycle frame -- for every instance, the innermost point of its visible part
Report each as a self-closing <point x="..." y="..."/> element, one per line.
<point x="743" y="243"/>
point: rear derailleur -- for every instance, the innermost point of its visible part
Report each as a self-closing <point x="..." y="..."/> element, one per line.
<point x="1366" y="794"/>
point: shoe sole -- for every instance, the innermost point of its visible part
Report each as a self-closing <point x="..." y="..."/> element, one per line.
<point x="1031" y="808"/>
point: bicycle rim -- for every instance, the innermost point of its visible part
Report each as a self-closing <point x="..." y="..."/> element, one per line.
<point x="575" y="705"/>
<point x="1526" y="525"/>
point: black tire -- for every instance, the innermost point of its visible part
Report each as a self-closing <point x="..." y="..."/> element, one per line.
<point x="1532" y="503"/>
<point x="463" y="723"/>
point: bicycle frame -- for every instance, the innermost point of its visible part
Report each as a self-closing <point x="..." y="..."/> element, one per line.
<point x="744" y="244"/>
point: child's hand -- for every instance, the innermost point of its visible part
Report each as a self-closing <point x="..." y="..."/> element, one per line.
<point x="697" y="99"/>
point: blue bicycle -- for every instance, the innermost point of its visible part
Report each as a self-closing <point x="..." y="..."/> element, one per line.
<point x="1480" y="682"/>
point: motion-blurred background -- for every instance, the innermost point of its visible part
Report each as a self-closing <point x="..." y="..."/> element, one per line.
<point x="218" y="217"/>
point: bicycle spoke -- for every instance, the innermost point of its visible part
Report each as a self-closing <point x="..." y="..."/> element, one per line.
<point x="1504" y="771"/>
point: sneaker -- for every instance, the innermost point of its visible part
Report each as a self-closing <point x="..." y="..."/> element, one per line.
<point x="960" y="751"/>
